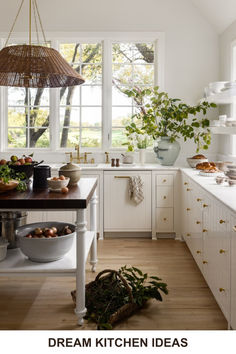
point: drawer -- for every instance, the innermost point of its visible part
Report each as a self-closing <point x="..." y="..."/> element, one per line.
<point x="164" y="180"/>
<point x="164" y="220"/>
<point x="164" y="197"/>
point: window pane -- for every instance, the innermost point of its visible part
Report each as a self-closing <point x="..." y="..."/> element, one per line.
<point x="17" y="138"/>
<point x="42" y="141"/>
<point x="69" y="137"/>
<point x="133" y="52"/>
<point x="70" y="95"/>
<point x="122" y="74"/>
<point x="91" y="95"/>
<point x="92" y="74"/>
<point x="16" y="96"/>
<point x="91" y="116"/>
<point x="143" y="53"/>
<point x="39" y="117"/>
<point x="69" y="116"/>
<point x="122" y="52"/>
<point x="70" y="52"/>
<point x="38" y="97"/>
<point x="91" y="137"/>
<point x="118" y="137"/>
<point x="119" y="98"/>
<point x="120" y="115"/>
<point x="143" y="74"/>
<point x="17" y="117"/>
<point x="92" y="53"/>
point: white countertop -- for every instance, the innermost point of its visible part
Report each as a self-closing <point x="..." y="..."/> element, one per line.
<point x="223" y="192"/>
<point x="134" y="167"/>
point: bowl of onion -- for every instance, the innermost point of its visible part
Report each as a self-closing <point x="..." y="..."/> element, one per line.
<point x="45" y="241"/>
<point x="58" y="183"/>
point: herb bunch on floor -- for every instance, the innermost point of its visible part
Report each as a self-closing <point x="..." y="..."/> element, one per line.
<point x="118" y="294"/>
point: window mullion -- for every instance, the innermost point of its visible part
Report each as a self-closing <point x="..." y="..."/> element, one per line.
<point x="107" y="95"/>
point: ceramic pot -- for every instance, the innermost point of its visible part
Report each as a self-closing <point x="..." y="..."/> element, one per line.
<point x="166" y="151"/>
<point x="71" y="171"/>
<point x="128" y="158"/>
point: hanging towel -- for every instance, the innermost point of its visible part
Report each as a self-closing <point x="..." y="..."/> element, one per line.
<point x="136" y="189"/>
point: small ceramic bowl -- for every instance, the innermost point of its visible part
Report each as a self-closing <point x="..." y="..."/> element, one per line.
<point x="193" y="162"/>
<point x="219" y="179"/>
<point x="57" y="184"/>
<point x="232" y="182"/>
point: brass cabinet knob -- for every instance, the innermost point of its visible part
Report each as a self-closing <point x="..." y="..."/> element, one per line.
<point x="188" y="209"/>
<point x="164" y="197"/>
<point x="221" y="290"/>
<point x="164" y="180"/>
<point x="222" y="251"/>
<point x="199" y="200"/>
<point x="185" y="183"/>
<point x="222" y="221"/>
<point x="188" y="189"/>
<point x="198" y="252"/>
<point x="164" y="219"/>
<point x="205" y="205"/>
<point x="198" y="222"/>
<point x="204" y="230"/>
<point x="188" y="235"/>
<point x="204" y="262"/>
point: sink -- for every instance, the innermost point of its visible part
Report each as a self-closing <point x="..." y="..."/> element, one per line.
<point x="86" y="164"/>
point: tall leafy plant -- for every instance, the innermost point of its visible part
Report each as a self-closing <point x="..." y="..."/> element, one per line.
<point x="159" y="115"/>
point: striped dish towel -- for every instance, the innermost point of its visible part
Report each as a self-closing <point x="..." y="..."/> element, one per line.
<point x="136" y="189"/>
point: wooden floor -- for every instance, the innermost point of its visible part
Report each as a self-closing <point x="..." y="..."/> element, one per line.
<point x="45" y="303"/>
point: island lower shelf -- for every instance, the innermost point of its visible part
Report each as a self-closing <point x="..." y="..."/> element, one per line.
<point x="17" y="264"/>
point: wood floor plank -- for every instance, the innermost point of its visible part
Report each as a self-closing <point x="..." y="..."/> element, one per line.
<point x="45" y="303"/>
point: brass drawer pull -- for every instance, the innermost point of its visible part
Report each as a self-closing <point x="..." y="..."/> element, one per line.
<point x="221" y="290"/>
<point x="198" y="222"/>
<point x="164" y="197"/>
<point x="164" y="180"/>
<point x="198" y="252"/>
<point x="204" y="230"/>
<point x="188" y="189"/>
<point x="188" y="209"/>
<point x="204" y="262"/>
<point x="199" y="200"/>
<point x="122" y="176"/>
<point x="222" y="221"/>
<point x="164" y="219"/>
<point x="205" y="205"/>
<point x="222" y="251"/>
<point x="185" y="183"/>
<point x="188" y="235"/>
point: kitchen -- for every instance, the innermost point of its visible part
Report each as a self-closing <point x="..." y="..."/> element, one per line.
<point x="186" y="48"/>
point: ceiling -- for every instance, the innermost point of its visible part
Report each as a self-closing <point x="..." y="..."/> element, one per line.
<point x="220" y="13"/>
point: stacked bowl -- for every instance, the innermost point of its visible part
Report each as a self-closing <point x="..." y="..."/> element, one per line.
<point x="231" y="174"/>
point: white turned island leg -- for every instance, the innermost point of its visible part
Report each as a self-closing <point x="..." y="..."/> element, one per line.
<point x="81" y="229"/>
<point x="93" y="227"/>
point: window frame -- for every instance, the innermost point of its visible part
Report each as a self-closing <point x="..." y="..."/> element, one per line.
<point x="106" y="39"/>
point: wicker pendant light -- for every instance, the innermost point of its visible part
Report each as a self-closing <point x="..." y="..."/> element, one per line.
<point x="35" y="65"/>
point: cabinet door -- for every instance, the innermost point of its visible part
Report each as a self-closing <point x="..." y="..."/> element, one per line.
<point x="121" y="213"/>
<point x="233" y="273"/>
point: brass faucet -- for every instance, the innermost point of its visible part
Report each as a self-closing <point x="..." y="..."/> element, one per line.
<point x="107" y="157"/>
<point x="85" y="156"/>
<point x="78" y="157"/>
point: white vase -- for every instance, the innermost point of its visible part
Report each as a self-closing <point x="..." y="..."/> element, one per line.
<point x="142" y="153"/>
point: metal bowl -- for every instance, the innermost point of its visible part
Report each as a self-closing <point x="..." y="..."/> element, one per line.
<point x="44" y="249"/>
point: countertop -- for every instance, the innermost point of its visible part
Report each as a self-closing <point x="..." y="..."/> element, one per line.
<point x="107" y="167"/>
<point x="223" y="192"/>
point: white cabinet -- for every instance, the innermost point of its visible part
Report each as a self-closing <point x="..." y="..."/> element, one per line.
<point x="233" y="273"/>
<point x="121" y="213"/>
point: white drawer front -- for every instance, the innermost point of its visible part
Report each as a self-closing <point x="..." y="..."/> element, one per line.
<point x="164" y="180"/>
<point x="164" y="197"/>
<point x="164" y="220"/>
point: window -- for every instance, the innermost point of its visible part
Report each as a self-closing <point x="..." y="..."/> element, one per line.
<point x="132" y="66"/>
<point x="92" y="115"/>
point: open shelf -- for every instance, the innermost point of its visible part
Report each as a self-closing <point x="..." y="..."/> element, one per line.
<point x="223" y="130"/>
<point x="16" y="263"/>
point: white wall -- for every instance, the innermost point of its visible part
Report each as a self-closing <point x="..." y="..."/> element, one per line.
<point x="191" y="44"/>
<point x="226" y="142"/>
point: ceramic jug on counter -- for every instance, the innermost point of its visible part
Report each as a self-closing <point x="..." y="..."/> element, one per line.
<point x="71" y="171"/>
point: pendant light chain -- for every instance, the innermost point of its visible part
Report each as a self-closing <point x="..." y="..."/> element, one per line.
<point x="36" y="22"/>
<point x="40" y="21"/>
<point x="13" y="25"/>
